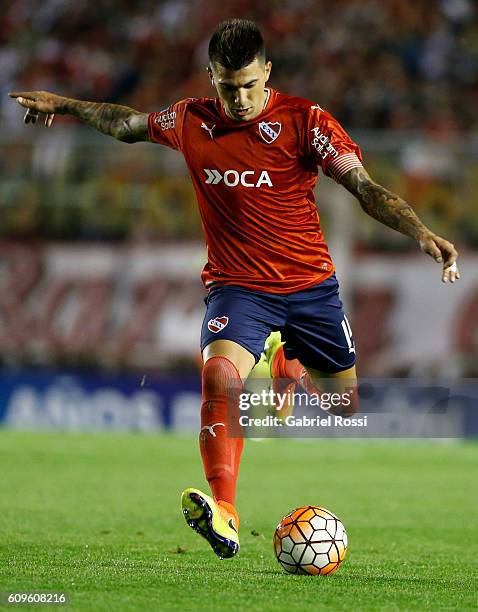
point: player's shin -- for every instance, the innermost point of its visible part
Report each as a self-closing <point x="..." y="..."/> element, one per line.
<point x="220" y="451"/>
<point x="286" y="368"/>
<point x="286" y="374"/>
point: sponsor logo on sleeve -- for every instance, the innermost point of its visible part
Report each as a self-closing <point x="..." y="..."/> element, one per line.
<point x="166" y="120"/>
<point x="217" y="324"/>
<point x="321" y="144"/>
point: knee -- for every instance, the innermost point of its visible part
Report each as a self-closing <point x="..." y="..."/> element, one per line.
<point x="219" y="375"/>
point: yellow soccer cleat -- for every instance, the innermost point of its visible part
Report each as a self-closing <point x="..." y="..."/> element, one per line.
<point x="273" y="343"/>
<point x="217" y="522"/>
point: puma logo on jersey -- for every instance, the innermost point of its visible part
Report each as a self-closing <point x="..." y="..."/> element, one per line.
<point x="208" y="129"/>
<point x="233" y="178"/>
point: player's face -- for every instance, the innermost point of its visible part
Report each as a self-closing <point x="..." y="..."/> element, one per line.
<point x="241" y="91"/>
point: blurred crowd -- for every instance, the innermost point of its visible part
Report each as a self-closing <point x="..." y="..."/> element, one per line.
<point x="395" y="64"/>
<point x="406" y="66"/>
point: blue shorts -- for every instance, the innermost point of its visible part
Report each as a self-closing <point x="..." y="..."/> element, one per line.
<point x="312" y="323"/>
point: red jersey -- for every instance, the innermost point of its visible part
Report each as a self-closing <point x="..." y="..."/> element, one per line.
<point x="254" y="183"/>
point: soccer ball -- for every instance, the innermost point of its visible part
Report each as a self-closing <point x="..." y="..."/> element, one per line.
<point x="310" y="540"/>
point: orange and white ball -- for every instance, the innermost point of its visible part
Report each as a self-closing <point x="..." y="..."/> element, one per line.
<point x="310" y="540"/>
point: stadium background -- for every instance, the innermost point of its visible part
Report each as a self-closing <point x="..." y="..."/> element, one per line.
<point x="101" y="246"/>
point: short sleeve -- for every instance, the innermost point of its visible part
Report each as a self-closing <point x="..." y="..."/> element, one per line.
<point x="166" y="127"/>
<point x="330" y="145"/>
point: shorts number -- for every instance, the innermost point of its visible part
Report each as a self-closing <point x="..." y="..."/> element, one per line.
<point x="348" y="335"/>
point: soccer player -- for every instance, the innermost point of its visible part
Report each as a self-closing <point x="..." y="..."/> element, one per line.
<point x="253" y="154"/>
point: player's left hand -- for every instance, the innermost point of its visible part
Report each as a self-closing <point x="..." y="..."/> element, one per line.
<point x="444" y="252"/>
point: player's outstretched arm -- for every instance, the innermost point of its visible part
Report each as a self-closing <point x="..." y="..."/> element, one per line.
<point x="391" y="210"/>
<point x="121" y="122"/>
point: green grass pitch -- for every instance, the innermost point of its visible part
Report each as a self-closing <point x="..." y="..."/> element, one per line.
<point x="97" y="516"/>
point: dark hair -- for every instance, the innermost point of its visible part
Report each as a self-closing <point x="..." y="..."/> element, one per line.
<point x="236" y="43"/>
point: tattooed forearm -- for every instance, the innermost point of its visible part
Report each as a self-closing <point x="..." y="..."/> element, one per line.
<point x="121" y="122"/>
<point x="383" y="205"/>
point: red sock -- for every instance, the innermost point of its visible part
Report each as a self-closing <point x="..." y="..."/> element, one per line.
<point x="286" y="373"/>
<point x="221" y="454"/>
<point x="286" y="368"/>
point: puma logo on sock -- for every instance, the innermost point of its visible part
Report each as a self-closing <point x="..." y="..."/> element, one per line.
<point x="210" y="428"/>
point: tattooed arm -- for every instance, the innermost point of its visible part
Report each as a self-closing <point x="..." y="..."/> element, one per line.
<point x="391" y="210"/>
<point x="120" y="122"/>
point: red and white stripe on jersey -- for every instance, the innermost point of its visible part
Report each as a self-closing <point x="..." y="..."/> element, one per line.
<point x="343" y="164"/>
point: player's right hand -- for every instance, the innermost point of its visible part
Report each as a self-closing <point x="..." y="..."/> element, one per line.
<point x="37" y="102"/>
